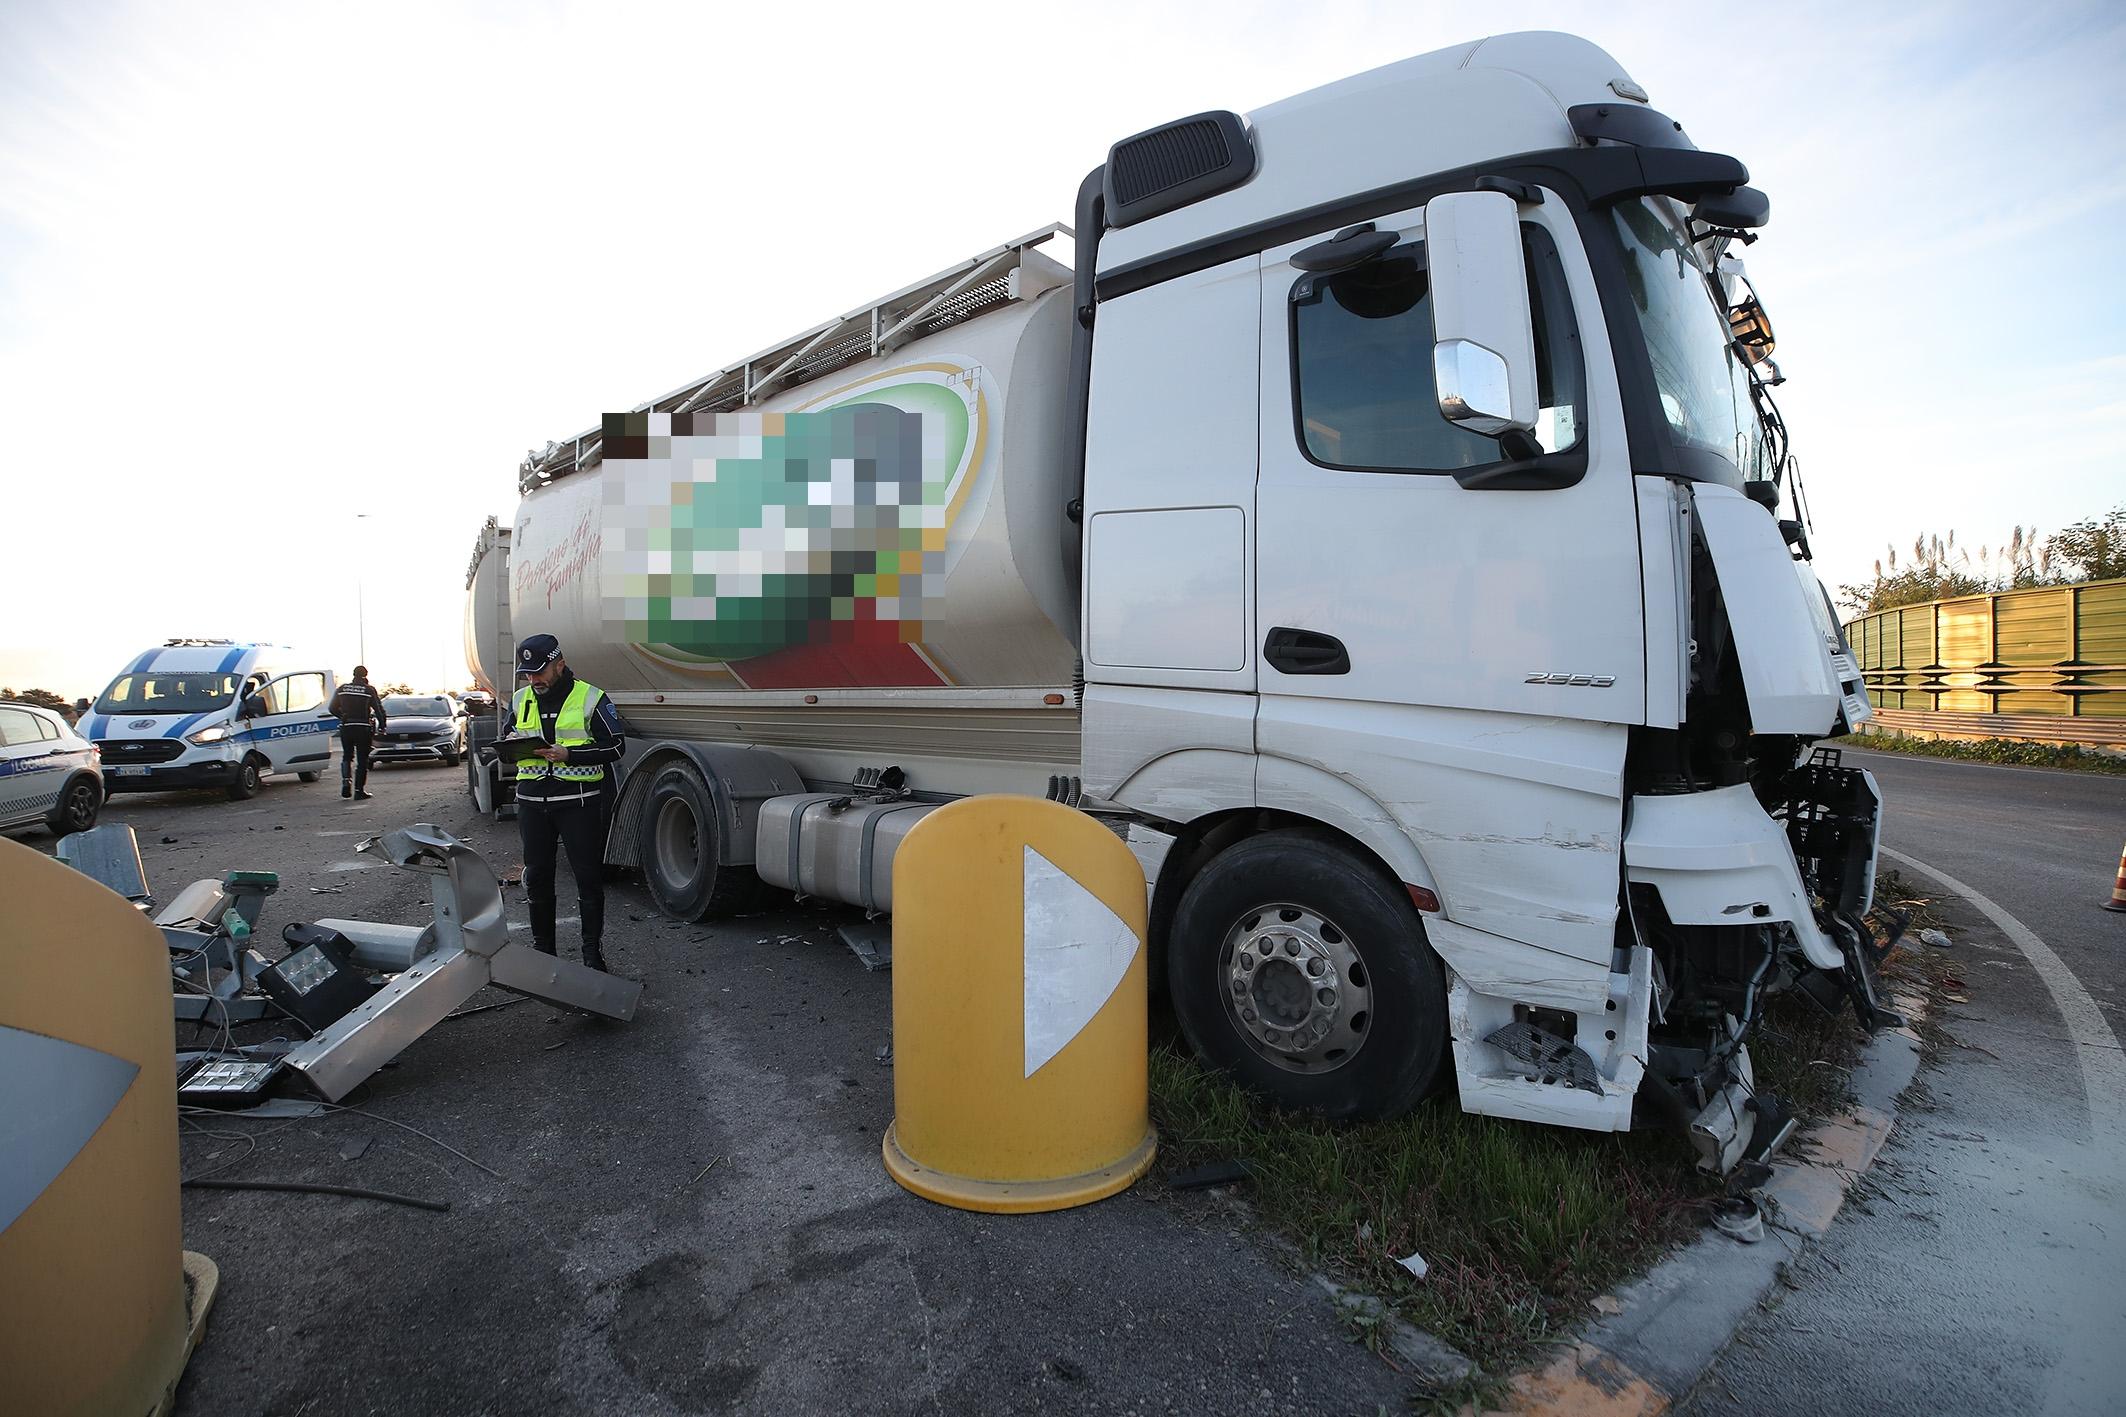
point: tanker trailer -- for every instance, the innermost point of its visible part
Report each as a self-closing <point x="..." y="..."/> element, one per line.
<point x="489" y="648"/>
<point x="1385" y="534"/>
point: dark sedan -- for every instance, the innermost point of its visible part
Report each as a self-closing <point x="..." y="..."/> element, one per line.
<point x="425" y="728"/>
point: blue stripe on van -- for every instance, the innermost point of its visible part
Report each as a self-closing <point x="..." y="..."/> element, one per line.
<point x="187" y="724"/>
<point x="146" y="658"/>
<point x="230" y="660"/>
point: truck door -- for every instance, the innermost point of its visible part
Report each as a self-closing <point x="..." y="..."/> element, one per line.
<point x="1169" y="490"/>
<point x="295" y="732"/>
<point x="1383" y="580"/>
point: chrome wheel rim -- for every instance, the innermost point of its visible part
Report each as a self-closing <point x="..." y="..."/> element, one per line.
<point x="1295" y="988"/>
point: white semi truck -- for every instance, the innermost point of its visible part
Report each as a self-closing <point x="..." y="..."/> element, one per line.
<point x="1378" y="520"/>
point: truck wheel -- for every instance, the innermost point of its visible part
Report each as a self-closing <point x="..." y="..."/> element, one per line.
<point x="246" y="785"/>
<point x="675" y="840"/>
<point x="1302" y="971"/>
<point x="77" y="807"/>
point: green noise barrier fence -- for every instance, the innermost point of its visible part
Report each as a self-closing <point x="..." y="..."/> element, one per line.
<point x="2048" y="664"/>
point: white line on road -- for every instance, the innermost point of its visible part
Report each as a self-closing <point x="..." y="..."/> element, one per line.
<point x="2103" y="1065"/>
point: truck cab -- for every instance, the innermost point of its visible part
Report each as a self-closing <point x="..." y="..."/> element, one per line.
<point x="1430" y="528"/>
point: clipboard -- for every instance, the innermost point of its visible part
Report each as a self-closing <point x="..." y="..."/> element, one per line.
<point x="519" y="747"/>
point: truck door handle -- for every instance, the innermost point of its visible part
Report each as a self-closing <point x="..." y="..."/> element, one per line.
<point x="1305" y="652"/>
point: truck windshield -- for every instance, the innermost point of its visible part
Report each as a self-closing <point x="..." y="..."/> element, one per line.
<point x="169" y="692"/>
<point x="1702" y="380"/>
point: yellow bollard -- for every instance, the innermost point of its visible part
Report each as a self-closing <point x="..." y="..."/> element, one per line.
<point x="99" y="1304"/>
<point x="1018" y="1009"/>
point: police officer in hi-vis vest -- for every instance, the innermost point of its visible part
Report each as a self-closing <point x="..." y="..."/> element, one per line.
<point x="560" y="791"/>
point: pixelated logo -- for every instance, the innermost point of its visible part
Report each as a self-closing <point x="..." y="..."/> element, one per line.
<point x="806" y="545"/>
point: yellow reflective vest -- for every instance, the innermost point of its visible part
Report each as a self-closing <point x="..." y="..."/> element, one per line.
<point x="571" y="730"/>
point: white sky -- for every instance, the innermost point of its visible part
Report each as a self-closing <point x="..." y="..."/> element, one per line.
<point x="263" y="266"/>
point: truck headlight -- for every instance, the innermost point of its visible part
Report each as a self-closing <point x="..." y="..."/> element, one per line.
<point x="208" y="735"/>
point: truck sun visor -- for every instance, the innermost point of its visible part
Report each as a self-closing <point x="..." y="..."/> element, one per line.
<point x="1626" y="123"/>
<point x="1175" y="164"/>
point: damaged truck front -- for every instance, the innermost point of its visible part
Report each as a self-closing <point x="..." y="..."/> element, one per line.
<point x="1381" y="520"/>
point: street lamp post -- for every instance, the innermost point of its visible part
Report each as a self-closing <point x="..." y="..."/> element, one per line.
<point x="361" y="618"/>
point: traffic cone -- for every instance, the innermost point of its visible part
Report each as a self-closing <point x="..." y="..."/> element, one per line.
<point x="2118" y="887"/>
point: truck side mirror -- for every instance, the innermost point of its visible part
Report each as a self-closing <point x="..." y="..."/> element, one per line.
<point x="1483" y="351"/>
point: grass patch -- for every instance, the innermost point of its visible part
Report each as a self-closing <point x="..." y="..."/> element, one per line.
<point x="2014" y="751"/>
<point x="1522" y="1225"/>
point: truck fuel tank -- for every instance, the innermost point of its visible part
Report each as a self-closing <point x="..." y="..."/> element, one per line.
<point x="832" y="845"/>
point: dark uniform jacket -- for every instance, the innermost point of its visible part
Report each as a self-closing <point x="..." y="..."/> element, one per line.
<point x="359" y="705"/>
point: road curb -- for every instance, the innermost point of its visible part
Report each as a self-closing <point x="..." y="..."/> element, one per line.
<point x="1677" y="1319"/>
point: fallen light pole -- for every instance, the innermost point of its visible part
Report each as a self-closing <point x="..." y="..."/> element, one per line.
<point x="467" y="948"/>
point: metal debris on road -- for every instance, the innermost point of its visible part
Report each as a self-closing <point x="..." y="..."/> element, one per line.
<point x="1935" y="938"/>
<point x="1415" y="1263"/>
<point x="1738" y="1218"/>
<point x="1216" y="1173"/>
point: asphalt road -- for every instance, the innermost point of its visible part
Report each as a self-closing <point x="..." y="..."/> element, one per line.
<point x="690" y="1214"/>
<point x="1977" y="1269"/>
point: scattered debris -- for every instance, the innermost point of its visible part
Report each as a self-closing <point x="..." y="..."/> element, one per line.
<point x="704" y="1171"/>
<point x="328" y="890"/>
<point x="358" y="1192"/>
<point x="1935" y="938"/>
<point x="884" y="1054"/>
<point x="1738" y="1218"/>
<point x="871" y="943"/>
<point x="169" y="841"/>
<point x="1415" y="1263"/>
<point x="1069" y="1370"/>
<point x="1216" y="1173"/>
<point x="354" y="1148"/>
<point x="1608" y="1304"/>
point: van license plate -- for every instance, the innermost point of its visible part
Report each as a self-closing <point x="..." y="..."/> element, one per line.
<point x="128" y="772"/>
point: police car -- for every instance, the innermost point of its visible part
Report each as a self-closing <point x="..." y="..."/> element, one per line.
<point x="48" y="772"/>
<point x="212" y="713"/>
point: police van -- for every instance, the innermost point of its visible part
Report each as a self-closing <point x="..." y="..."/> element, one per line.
<point x="212" y="713"/>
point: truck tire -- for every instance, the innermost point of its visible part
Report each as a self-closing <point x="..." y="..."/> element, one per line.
<point x="245" y="787"/>
<point x="1301" y="970"/>
<point x="676" y="842"/>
